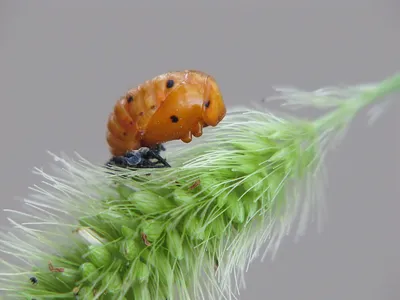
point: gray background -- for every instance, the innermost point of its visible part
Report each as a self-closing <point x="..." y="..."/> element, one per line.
<point x="64" y="64"/>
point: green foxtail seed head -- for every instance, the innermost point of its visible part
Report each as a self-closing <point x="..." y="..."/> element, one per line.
<point x="186" y="232"/>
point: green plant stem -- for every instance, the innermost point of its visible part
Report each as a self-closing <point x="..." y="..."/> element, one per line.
<point x="351" y="107"/>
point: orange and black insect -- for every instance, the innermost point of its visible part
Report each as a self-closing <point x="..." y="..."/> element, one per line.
<point x="171" y="106"/>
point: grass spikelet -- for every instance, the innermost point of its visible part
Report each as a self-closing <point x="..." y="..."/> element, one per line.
<point x="186" y="232"/>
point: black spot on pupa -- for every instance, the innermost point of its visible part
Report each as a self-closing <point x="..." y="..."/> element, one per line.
<point x="170" y="83"/>
<point x="129" y="98"/>
<point x="153" y="107"/>
<point x="174" y="119"/>
<point x="207" y="104"/>
<point x="141" y="113"/>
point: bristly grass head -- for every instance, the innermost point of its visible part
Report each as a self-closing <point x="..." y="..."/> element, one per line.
<point x="186" y="232"/>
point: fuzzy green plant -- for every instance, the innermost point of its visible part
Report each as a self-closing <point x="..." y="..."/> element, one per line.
<point x="189" y="231"/>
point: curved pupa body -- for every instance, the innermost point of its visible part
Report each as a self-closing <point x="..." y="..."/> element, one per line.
<point x="170" y="106"/>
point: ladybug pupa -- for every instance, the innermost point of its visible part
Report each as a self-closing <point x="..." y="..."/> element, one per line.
<point x="171" y="106"/>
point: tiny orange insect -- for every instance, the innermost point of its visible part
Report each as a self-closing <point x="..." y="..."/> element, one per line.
<point x="195" y="184"/>
<point x="171" y="106"/>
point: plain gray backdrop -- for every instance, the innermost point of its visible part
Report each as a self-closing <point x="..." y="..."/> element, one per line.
<point x="63" y="64"/>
